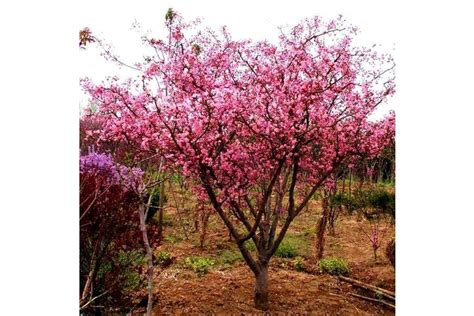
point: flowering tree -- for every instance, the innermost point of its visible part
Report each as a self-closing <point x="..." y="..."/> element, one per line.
<point x="260" y="126"/>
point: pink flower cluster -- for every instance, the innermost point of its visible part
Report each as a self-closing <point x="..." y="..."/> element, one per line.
<point x="231" y="111"/>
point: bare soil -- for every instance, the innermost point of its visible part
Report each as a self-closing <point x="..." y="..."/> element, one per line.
<point x="228" y="288"/>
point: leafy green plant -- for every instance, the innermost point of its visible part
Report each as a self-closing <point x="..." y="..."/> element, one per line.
<point x="126" y="258"/>
<point x="200" y="265"/>
<point x="334" y="266"/>
<point x="298" y="264"/>
<point x="163" y="258"/>
<point x="129" y="263"/>
<point x="249" y="245"/>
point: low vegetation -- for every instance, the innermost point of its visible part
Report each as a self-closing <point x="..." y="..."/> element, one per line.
<point x="334" y="266"/>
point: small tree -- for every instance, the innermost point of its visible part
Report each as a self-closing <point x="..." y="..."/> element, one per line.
<point x="108" y="210"/>
<point x="260" y="127"/>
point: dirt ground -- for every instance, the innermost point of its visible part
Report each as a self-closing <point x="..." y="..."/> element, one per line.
<point x="228" y="289"/>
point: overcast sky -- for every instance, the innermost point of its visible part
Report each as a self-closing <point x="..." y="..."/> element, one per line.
<point x="244" y="19"/>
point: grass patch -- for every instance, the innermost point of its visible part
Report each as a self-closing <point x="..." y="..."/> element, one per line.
<point x="310" y="231"/>
<point x="167" y="220"/>
<point x="293" y="245"/>
<point x="286" y="250"/>
<point x="172" y="239"/>
<point x="229" y="257"/>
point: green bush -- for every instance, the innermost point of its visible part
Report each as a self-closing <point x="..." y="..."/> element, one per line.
<point x="298" y="264"/>
<point x="200" y="265"/>
<point x="163" y="258"/>
<point x="229" y="257"/>
<point x="333" y="266"/>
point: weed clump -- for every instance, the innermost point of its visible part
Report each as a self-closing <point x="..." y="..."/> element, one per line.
<point x="334" y="266"/>
<point x="200" y="265"/>
<point x="298" y="264"/>
<point x="163" y="258"/>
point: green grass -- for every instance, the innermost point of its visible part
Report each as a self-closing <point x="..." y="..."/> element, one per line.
<point x="291" y="246"/>
<point x="229" y="257"/>
<point x="172" y="239"/>
<point x="294" y="245"/>
<point x="286" y="250"/>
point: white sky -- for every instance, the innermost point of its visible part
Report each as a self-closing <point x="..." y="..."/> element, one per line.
<point x="244" y="19"/>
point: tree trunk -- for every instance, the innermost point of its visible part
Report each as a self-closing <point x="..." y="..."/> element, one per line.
<point x="261" y="288"/>
<point x="203" y="232"/>
<point x="322" y="223"/>
<point x="350" y="183"/>
<point x="149" y="255"/>
<point x="91" y="276"/>
<point x="343" y="183"/>
<point x="160" y="212"/>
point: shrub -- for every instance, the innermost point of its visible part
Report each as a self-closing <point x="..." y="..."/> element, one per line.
<point x="125" y="269"/>
<point x="200" y="265"/>
<point x="163" y="258"/>
<point x="333" y="266"/>
<point x="229" y="257"/>
<point x="298" y="264"/>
